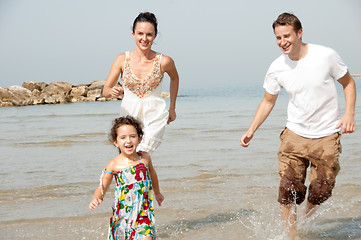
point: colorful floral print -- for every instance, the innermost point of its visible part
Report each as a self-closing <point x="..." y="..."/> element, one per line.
<point x="132" y="216"/>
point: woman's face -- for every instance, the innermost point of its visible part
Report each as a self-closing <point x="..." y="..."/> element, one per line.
<point x="144" y="35"/>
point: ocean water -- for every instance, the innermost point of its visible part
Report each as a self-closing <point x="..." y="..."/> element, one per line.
<point x="52" y="156"/>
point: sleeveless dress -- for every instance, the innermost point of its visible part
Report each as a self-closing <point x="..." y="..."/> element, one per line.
<point x="132" y="216"/>
<point x="142" y="99"/>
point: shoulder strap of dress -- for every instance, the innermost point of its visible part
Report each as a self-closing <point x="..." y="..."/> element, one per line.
<point x="105" y="171"/>
<point x="160" y="57"/>
<point x="127" y="56"/>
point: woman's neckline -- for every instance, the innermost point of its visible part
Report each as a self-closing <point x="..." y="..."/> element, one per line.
<point x="155" y="60"/>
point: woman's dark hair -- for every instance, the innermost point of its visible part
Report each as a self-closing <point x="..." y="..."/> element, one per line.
<point x="287" y="19"/>
<point x="146" y="17"/>
<point x="128" y="120"/>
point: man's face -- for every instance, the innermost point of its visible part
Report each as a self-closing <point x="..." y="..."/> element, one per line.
<point x="288" y="40"/>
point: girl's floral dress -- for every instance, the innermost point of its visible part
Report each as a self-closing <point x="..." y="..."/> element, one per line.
<point x="132" y="216"/>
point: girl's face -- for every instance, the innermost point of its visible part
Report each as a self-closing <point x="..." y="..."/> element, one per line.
<point x="144" y="35"/>
<point x="127" y="139"/>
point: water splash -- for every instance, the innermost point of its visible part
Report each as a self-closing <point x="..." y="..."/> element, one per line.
<point x="266" y="224"/>
<point x="328" y="222"/>
<point x="181" y="226"/>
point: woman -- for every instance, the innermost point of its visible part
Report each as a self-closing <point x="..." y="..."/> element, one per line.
<point x="142" y="72"/>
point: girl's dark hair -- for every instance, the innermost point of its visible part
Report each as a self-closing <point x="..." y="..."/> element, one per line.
<point x="146" y="17"/>
<point x="128" y="120"/>
<point x="288" y="19"/>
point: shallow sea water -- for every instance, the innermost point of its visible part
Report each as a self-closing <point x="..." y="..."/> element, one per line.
<point x="52" y="156"/>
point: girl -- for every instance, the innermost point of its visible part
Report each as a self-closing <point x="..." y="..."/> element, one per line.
<point x="142" y="72"/>
<point x="135" y="179"/>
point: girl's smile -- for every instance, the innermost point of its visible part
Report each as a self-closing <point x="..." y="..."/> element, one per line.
<point x="127" y="139"/>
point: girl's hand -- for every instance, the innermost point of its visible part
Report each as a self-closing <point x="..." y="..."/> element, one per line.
<point x="116" y="91"/>
<point x="159" y="197"/>
<point x="94" y="203"/>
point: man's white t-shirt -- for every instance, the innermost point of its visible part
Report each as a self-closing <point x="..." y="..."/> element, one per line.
<point x="313" y="110"/>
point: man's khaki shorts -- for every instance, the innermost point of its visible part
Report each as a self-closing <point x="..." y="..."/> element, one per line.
<point x="295" y="154"/>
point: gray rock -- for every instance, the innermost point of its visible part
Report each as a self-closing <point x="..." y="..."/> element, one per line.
<point x="32" y="93"/>
<point x="17" y="95"/>
<point x="97" y="93"/>
<point x="50" y="90"/>
<point x="5" y="104"/>
<point x="79" y="91"/>
<point x="96" y="85"/>
<point x="36" y="92"/>
<point x="49" y="100"/>
<point x="34" y="85"/>
<point x="64" y="86"/>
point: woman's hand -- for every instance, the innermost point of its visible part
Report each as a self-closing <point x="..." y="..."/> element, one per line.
<point x="116" y="91"/>
<point x="172" y="115"/>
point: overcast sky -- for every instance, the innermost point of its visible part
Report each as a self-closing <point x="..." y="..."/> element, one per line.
<point x="214" y="43"/>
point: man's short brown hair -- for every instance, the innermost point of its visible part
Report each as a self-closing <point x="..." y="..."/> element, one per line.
<point x="287" y="19"/>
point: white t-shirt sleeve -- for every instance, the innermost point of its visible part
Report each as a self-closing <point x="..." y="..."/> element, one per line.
<point x="338" y="67"/>
<point x="271" y="84"/>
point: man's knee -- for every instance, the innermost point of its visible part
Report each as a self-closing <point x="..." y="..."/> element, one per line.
<point x="291" y="191"/>
<point x="320" y="190"/>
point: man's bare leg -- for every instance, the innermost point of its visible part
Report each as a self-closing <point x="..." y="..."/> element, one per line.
<point x="289" y="216"/>
<point x="310" y="209"/>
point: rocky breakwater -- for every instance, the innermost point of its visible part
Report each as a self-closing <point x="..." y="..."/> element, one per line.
<point x="34" y="93"/>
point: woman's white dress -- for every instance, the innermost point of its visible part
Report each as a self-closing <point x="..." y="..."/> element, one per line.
<point x="142" y="100"/>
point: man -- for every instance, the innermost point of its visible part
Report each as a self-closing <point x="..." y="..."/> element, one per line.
<point x="312" y="135"/>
